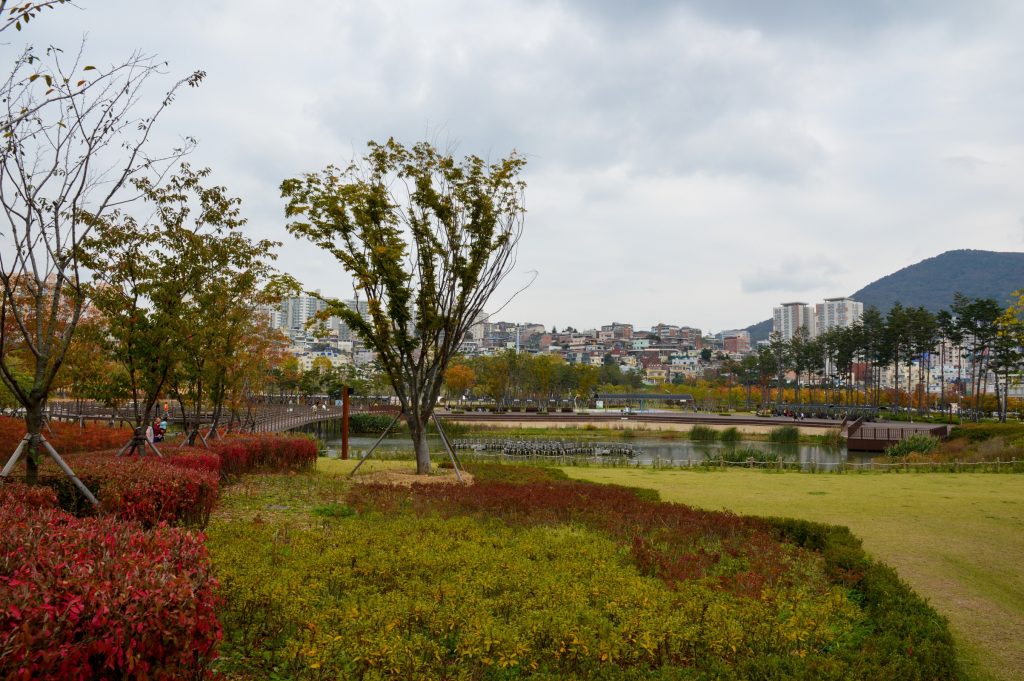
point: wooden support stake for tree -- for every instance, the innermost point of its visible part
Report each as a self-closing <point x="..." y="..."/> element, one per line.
<point x="57" y="459"/>
<point x="153" y="447"/>
<point x="129" y="444"/>
<point x="344" y="422"/>
<point x="68" y="472"/>
<point x="14" y="457"/>
<point x="379" y="440"/>
<point x="448" y="447"/>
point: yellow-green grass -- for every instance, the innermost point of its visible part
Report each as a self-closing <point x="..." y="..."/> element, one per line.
<point x="958" y="539"/>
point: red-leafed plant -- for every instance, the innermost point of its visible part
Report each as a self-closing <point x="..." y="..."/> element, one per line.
<point x="241" y="455"/>
<point x="100" y="598"/>
<point x="147" y="490"/>
<point x="33" y="496"/>
<point x="67" y="438"/>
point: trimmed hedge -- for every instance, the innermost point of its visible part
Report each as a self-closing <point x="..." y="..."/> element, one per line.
<point x="180" y="488"/>
<point x="66" y="438"/>
<point x="33" y="496"/>
<point x="908" y="638"/>
<point x="99" y="598"/>
<point x="146" y="490"/>
<point x="239" y="455"/>
<point x="123" y="595"/>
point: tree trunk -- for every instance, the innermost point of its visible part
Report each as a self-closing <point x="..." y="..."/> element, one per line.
<point x="418" y="430"/>
<point x="942" y="377"/>
<point x="1006" y="394"/>
<point x="34" y="426"/>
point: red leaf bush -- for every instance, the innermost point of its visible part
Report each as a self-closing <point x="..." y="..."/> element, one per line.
<point x="147" y="490"/>
<point x="272" y="453"/>
<point x="66" y="438"/>
<point x="123" y="595"/>
<point x="99" y="598"/>
<point x="33" y="496"/>
<point x="181" y="487"/>
<point x="193" y="458"/>
<point x="672" y="541"/>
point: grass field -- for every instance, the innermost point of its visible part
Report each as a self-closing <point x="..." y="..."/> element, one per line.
<point x="958" y="539"/>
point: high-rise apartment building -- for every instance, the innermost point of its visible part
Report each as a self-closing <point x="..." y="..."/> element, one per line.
<point x="295" y="312"/>
<point x="340" y="328"/>
<point x="836" y="313"/>
<point x="789" y="317"/>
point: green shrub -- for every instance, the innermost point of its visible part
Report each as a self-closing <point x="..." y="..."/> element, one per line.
<point x="979" y="432"/>
<point x="917" y="443"/>
<point x="334" y="511"/>
<point x="426" y="597"/>
<point x="368" y="424"/>
<point x="528" y="575"/>
<point x="703" y="433"/>
<point x="908" y="639"/>
<point x="833" y="437"/>
<point x="784" y="434"/>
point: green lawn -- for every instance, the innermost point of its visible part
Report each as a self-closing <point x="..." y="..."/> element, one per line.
<point x="958" y="539"/>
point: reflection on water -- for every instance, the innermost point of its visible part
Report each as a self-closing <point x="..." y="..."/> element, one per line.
<point x="660" y="452"/>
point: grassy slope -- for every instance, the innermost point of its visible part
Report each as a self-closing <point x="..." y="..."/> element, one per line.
<point x="957" y="539"/>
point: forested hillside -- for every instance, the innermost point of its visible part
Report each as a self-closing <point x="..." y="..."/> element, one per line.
<point x="932" y="283"/>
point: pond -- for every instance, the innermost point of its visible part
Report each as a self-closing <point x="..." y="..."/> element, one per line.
<point x="647" y="451"/>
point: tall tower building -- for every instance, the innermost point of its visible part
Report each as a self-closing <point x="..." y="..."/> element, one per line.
<point x="789" y="317"/>
<point x="836" y="312"/>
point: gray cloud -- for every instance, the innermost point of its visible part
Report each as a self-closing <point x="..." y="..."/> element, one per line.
<point x="794" y="275"/>
<point x="849" y="21"/>
<point x="966" y="162"/>
<point x="674" y="147"/>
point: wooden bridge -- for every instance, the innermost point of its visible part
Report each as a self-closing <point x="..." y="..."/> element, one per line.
<point x="266" y="418"/>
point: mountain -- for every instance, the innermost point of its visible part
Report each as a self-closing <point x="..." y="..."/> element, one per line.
<point x="932" y="283"/>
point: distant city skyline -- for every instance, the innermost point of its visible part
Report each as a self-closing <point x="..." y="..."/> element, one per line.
<point x="689" y="163"/>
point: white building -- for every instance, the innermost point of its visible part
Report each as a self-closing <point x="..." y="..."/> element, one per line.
<point x="336" y="325"/>
<point x="295" y="312"/>
<point x="836" y="313"/>
<point x="789" y="317"/>
<point x="273" y="315"/>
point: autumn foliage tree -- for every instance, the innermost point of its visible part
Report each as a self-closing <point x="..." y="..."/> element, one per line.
<point x="72" y="140"/>
<point x="178" y="292"/>
<point x="427" y="239"/>
<point x="458" y="378"/>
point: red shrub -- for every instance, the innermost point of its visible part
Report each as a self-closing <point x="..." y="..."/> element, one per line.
<point x="26" y="495"/>
<point x="192" y="458"/>
<point x="66" y="438"/>
<point x="147" y="490"/>
<point x="672" y="541"/>
<point x="266" y="453"/>
<point x="98" y="598"/>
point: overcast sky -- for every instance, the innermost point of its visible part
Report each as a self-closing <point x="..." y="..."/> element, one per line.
<point x="689" y="163"/>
